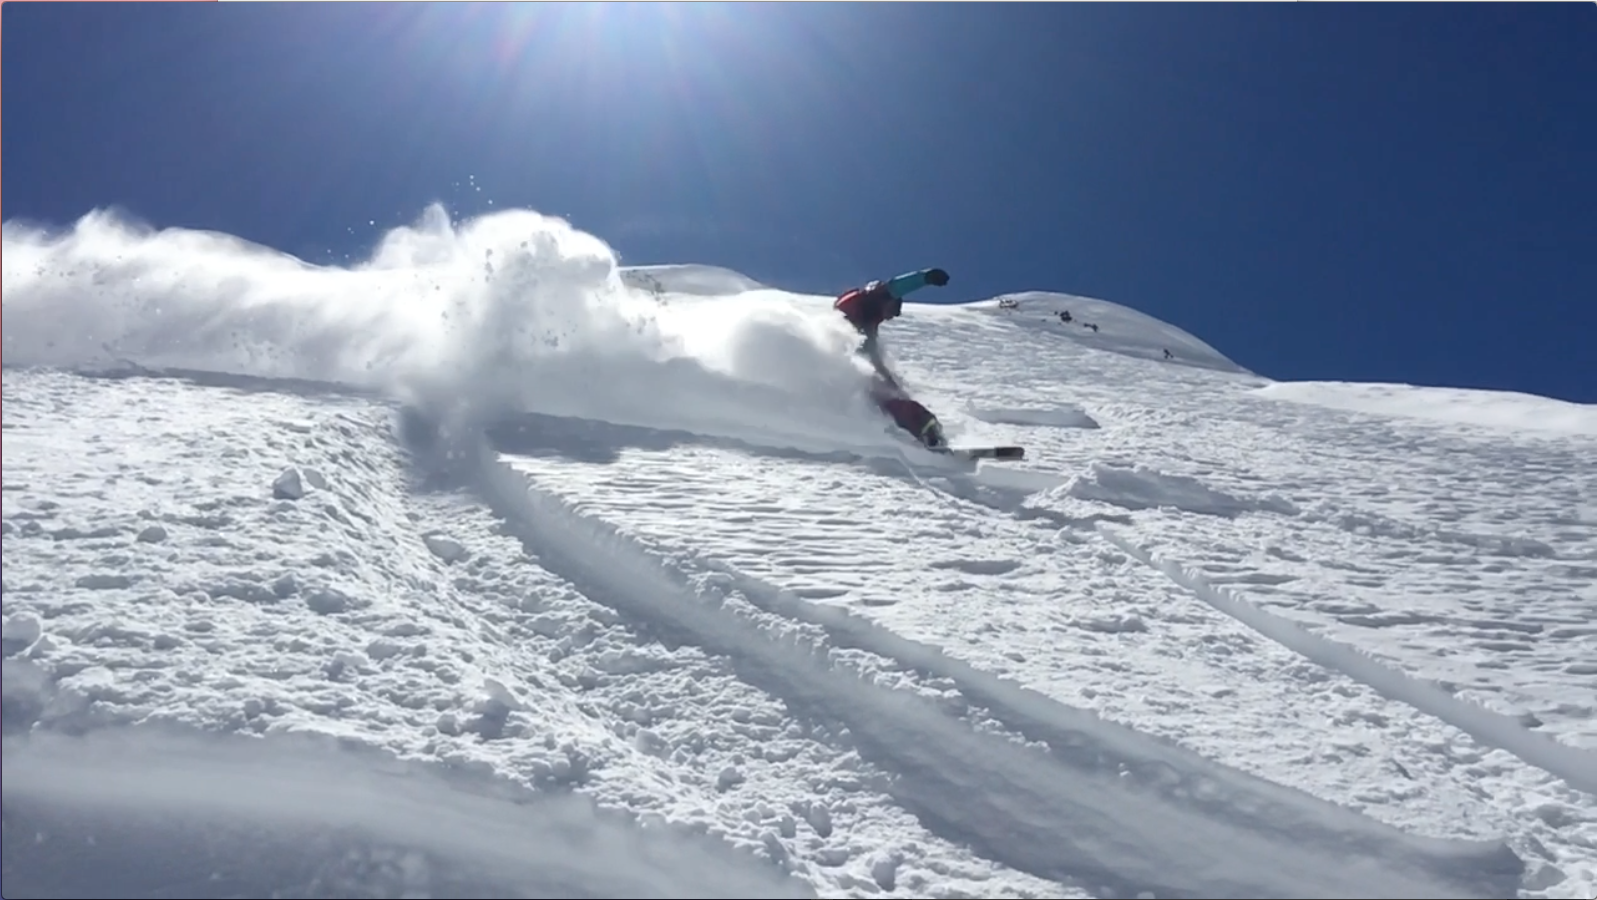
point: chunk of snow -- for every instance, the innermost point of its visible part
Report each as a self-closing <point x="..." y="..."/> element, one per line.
<point x="18" y="631"/>
<point x="382" y="648"/>
<point x="103" y="581"/>
<point x="884" y="871"/>
<point x="446" y="548"/>
<point x="152" y="534"/>
<point x="327" y="600"/>
<point x="495" y="692"/>
<point x="288" y="485"/>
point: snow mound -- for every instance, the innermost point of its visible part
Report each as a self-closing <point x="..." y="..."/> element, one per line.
<point x="689" y="278"/>
<point x="1463" y="406"/>
<point x="1120" y="329"/>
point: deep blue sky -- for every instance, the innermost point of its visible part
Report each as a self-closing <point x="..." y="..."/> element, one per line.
<point x="1360" y="191"/>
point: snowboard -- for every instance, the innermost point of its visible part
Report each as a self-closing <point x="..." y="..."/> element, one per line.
<point x="974" y="453"/>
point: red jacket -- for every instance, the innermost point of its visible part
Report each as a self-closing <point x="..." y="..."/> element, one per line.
<point x="875" y="303"/>
<point x="868" y="307"/>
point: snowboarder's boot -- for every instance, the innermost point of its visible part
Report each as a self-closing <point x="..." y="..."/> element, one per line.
<point x="931" y="434"/>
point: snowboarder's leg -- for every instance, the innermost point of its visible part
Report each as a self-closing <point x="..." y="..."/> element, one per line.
<point x="915" y="419"/>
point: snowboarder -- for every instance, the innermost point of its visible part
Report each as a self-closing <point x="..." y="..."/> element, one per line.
<point x="866" y="309"/>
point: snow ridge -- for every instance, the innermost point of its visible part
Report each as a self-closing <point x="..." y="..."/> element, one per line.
<point x="308" y="802"/>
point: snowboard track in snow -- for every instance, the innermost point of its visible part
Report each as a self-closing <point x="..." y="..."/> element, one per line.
<point x="1086" y="803"/>
<point x="1575" y="766"/>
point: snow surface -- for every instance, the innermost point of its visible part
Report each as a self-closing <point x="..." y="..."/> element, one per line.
<point x="1486" y="409"/>
<point x="491" y="568"/>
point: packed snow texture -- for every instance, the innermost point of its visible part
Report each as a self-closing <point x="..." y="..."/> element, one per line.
<point x="490" y="568"/>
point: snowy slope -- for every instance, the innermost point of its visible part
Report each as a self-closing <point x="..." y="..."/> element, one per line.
<point x="488" y="568"/>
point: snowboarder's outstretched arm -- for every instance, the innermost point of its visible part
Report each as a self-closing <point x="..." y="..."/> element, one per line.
<point x="910" y="282"/>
